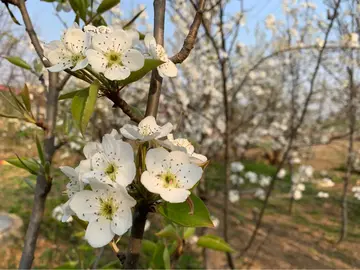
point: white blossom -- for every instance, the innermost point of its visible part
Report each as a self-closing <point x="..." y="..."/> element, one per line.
<point x="264" y="180"/>
<point x="252" y="177"/>
<point x="215" y="221"/>
<point x="234" y="195"/>
<point x="112" y="55"/>
<point x="170" y="174"/>
<point x="69" y="52"/>
<point x="147" y="130"/>
<point x="186" y="146"/>
<point x="236" y="167"/>
<point x="114" y="164"/>
<point x="281" y="174"/>
<point x="108" y="211"/>
<point x="260" y="194"/>
<point x="323" y="195"/>
<point x="326" y="183"/>
<point x="168" y="69"/>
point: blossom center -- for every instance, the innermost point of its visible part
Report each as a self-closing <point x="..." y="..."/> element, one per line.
<point x="108" y="207"/>
<point x="75" y="58"/>
<point x="169" y="180"/>
<point x="113" y="58"/>
<point x="111" y="171"/>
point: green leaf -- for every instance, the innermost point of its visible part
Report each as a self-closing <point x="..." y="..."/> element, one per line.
<point x="189" y="232"/>
<point x="40" y="150"/>
<point x="214" y="242"/>
<point x="106" y="5"/>
<point x="25" y="96"/>
<point x="149" y="65"/>
<point x="12" y="16"/>
<point x="9" y="116"/>
<point x="72" y="94"/>
<point x="179" y="213"/>
<point x="17" y="61"/>
<point x="83" y="105"/>
<point x="129" y="23"/>
<point x="148" y="247"/>
<point x="25" y="163"/>
<point x="157" y="261"/>
<point x="168" y="232"/>
<point x="166" y="258"/>
<point x="80" y="8"/>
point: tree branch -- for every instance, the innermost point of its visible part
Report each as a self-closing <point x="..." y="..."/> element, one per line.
<point x="156" y="79"/>
<point x="191" y="37"/>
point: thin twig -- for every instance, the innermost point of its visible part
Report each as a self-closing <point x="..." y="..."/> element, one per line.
<point x="191" y="36"/>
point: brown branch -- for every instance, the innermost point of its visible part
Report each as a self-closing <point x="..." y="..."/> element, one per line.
<point x="191" y="36"/>
<point x="126" y="108"/>
<point x="156" y="79"/>
<point x="142" y="209"/>
<point x="43" y="185"/>
<point x="350" y="157"/>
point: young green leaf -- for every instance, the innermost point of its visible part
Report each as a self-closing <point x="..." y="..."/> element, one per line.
<point x="189" y="232"/>
<point x="106" y="5"/>
<point x="168" y="232"/>
<point x="166" y="258"/>
<point x="148" y="247"/>
<point x="80" y="8"/>
<point x="25" y="96"/>
<point x="71" y="94"/>
<point x="179" y="213"/>
<point x="40" y="151"/>
<point x="149" y="65"/>
<point x="25" y="163"/>
<point x="17" y="61"/>
<point x="129" y="23"/>
<point x="214" y="242"/>
<point x="9" y="116"/>
<point x="157" y="261"/>
<point x="12" y="16"/>
<point x="83" y="105"/>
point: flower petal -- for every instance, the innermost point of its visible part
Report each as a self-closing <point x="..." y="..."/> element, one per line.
<point x="91" y="148"/>
<point x="151" y="183"/>
<point x="59" y="66"/>
<point x="97" y="60"/>
<point x="76" y="40"/>
<point x="188" y="175"/>
<point x="85" y="204"/>
<point x="122" y="221"/>
<point x="81" y="64"/>
<point x="168" y="69"/>
<point x="117" y="72"/>
<point x="175" y="159"/>
<point x="70" y="172"/>
<point x="154" y="160"/>
<point x="165" y="130"/>
<point x="126" y="174"/>
<point x="130" y="132"/>
<point x="175" y="195"/>
<point x="98" y="232"/>
<point x="99" y="162"/>
<point x="149" y="40"/>
<point x="102" y="42"/>
<point x="133" y="59"/>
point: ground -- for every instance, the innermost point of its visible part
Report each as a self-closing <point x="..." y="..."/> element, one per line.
<point x="305" y="239"/>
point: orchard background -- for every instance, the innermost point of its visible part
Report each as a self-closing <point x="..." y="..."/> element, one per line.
<point x="266" y="90"/>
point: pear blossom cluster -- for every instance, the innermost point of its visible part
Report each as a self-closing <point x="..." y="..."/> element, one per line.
<point x="108" y="50"/>
<point x="98" y="188"/>
<point x="304" y="174"/>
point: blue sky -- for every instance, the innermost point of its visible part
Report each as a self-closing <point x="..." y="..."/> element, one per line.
<point x="49" y="28"/>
